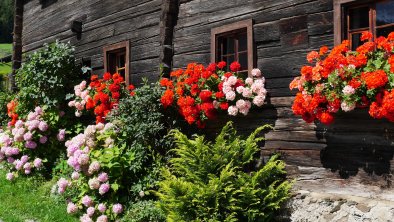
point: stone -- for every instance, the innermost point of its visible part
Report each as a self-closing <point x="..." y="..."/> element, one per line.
<point x="363" y="208"/>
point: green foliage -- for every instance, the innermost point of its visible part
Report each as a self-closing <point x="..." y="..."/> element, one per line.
<point x="143" y="128"/>
<point x="144" y="211"/>
<point x="47" y="77"/>
<point x="6" y="20"/>
<point x="209" y="181"/>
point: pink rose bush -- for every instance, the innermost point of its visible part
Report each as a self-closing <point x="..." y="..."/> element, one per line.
<point x="25" y="146"/>
<point x="92" y="156"/>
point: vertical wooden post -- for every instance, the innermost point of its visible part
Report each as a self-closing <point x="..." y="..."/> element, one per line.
<point x="168" y="19"/>
<point x="17" y="42"/>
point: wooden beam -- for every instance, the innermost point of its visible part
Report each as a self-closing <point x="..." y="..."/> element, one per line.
<point x="168" y="19"/>
<point x="17" y="42"/>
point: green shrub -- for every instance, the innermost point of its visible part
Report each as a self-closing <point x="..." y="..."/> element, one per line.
<point x="144" y="211"/>
<point x="207" y="181"/>
<point x="47" y="76"/>
<point x="5" y="97"/>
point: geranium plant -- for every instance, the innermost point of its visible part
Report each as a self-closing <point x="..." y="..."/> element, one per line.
<point x="344" y="80"/>
<point x="100" y="96"/>
<point x="198" y="93"/>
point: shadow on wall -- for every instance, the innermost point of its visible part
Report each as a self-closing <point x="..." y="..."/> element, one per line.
<point x="356" y="141"/>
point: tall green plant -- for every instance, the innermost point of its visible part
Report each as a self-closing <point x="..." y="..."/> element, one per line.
<point x="208" y="181"/>
<point x="47" y="76"/>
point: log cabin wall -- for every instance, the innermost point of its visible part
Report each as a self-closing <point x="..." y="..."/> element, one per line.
<point x="352" y="156"/>
<point x="104" y="22"/>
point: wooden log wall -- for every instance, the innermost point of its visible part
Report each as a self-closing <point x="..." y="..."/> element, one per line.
<point x="352" y="156"/>
<point x="355" y="154"/>
<point x="104" y="22"/>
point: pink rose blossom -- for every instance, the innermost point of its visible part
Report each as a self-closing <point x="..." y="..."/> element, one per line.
<point x="232" y="80"/>
<point x="348" y="90"/>
<point x="240" y="89"/>
<point x="247" y="93"/>
<point x="249" y="81"/>
<point x="61" y="135"/>
<point x="348" y="106"/>
<point x="71" y="103"/>
<point x="258" y="100"/>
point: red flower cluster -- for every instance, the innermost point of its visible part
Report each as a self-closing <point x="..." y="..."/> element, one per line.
<point x="106" y="94"/>
<point x="344" y="80"/>
<point x="11" y="106"/>
<point x="198" y="93"/>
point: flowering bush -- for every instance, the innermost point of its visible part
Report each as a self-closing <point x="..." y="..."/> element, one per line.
<point x="344" y="80"/>
<point x="100" y="97"/>
<point x="199" y="92"/>
<point x="26" y="145"/>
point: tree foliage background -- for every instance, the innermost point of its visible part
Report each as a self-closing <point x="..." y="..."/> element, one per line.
<point x="6" y="20"/>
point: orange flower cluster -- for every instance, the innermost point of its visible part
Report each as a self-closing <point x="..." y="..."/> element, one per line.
<point x="344" y="79"/>
<point x="11" y="106"/>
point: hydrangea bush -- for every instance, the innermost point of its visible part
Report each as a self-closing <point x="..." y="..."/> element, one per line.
<point x="198" y="93"/>
<point x="27" y="144"/>
<point x="343" y="80"/>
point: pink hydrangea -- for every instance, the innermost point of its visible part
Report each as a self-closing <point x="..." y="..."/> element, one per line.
<point x="117" y="208"/>
<point x="102" y="208"/>
<point x="24" y="159"/>
<point x="104" y="188"/>
<point x="87" y="201"/>
<point x="43" y="126"/>
<point x="94" y="167"/>
<point x="102" y="218"/>
<point x="90" y="211"/>
<point x="61" y="135"/>
<point x="83" y="159"/>
<point x="85" y="218"/>
<point x="62" y="184"/>
<point x="94" y="183"/>
<point x="10" y="176"/>
<point x="72" y="208"/>
<point x="103" y="177"/>
<point x="43" y="139"/>
<point x="31" y="144"/>
<point x="38" y="110"/>
<point x="37" y="163"/>
<point x="28" y="136"/>
<point x="75" y="176"/>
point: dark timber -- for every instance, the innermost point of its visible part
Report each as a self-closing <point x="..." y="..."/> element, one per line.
<point x="17" y="42"/>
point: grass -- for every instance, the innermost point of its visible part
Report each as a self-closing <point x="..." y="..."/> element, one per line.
<point x="5" y="68"/>
<point x="5" y="49"/>
<point x="29" y="199"/>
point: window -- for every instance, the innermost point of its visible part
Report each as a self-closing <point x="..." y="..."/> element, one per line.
<point x="47" y="3"/>
<point x="234" y="42"/>
<point x="354" y="17"/>
<point x="116" y="59"/>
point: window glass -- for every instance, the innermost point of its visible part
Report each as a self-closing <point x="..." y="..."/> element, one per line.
<point x="356" y="42"/>
<point x="384" y="13"/>
<point x="243" y="60"/>
<point x="384" y="31"/>
<point x="243" y="42"/>
<point x="359" y="17"/>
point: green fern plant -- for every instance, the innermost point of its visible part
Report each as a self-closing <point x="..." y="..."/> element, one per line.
<point x="209" y="181"/>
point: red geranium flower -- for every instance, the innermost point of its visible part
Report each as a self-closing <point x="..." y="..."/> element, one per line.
<point x="235" y="67"/>
<point x="107" y="76"/>
<point x="221" y="65"/>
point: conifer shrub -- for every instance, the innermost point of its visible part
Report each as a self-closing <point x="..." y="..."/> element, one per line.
<point x="210" y="181"/>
